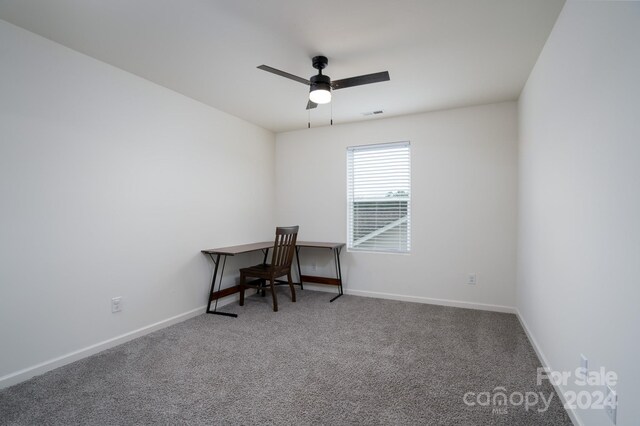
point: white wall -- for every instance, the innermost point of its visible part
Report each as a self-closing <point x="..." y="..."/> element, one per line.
<point x="463" y="203"/>
<point x="110" y="186"/>
<point x="579" y="198"/>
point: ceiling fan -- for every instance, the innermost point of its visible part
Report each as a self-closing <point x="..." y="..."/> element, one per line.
<point x="321" y="85"/>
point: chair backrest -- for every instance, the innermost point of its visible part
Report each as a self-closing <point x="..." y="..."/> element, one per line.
<point x="284" y="246"/>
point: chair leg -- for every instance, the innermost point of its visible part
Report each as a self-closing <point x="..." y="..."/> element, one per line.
<point x="242" y="278"/>
<point x="293" y="290"/>
<point x="263" y="286"/>
<point x="273" y="293"/>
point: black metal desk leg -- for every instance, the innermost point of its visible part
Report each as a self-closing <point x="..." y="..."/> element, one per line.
<point x="216" y="260"/>
<point x="213" y="286"/>
<point x="336" y="254"/>
<point x="299" y="270"/>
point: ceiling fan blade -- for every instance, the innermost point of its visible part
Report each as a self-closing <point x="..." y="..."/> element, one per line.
<point x="360" y="80"/>
<point x="311" y="105"/>
<point x="284" y="74"/>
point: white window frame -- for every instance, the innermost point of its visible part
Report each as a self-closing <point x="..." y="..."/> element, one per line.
<point x="373" y="195"/>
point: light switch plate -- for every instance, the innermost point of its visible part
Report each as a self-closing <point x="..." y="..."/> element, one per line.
<point x="116" y="304"/>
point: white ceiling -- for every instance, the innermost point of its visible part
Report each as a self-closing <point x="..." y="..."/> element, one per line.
<point x="439" y="54"/>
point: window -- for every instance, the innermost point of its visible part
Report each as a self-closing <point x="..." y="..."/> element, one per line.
<point x="379" y="198"/>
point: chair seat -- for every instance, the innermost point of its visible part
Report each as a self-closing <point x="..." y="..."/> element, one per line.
<point x="265" y="270"/>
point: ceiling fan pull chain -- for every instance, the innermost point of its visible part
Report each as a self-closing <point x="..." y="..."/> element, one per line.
<point x="332" y="113"/>
<point x="308" y="119"/>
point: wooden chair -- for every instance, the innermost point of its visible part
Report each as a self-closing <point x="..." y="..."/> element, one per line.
<point x="282" y="256"/>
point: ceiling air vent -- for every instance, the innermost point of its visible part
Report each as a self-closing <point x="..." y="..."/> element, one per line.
<point x="373" y="112"/>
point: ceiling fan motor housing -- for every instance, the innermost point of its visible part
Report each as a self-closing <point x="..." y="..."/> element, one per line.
<point x="320" y="82"/>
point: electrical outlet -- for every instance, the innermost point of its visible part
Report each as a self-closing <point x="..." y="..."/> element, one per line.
<point x="314" y="267"/>
<point x="584" y="366"/>
<point x="472" y="279"/>
<point x="116" y="304"/>
<point x="611" y="404"/>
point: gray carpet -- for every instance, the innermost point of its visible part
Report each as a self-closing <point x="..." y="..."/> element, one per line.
<point x="354" y="361"/>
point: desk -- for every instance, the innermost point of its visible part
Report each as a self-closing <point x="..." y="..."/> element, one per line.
<point x="224" y="252"/>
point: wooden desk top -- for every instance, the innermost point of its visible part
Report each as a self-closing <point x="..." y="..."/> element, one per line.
<point x="246" y="248"/>
<point x="317" y="244"/>
<point x="243" y="248"/>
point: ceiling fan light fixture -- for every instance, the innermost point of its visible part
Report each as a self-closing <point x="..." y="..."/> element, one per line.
<point x="320" y="91"/>
<point x="320" y="96"/>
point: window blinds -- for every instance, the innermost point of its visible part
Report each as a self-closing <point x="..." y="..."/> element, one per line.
<point x="379" y="197"/>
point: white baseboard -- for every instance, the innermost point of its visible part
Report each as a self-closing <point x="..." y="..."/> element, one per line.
<point x="431" y="301"/>
<point x="320" y="287"/>
<point x="29" y="372"/>
<point x="545" y="363"/>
